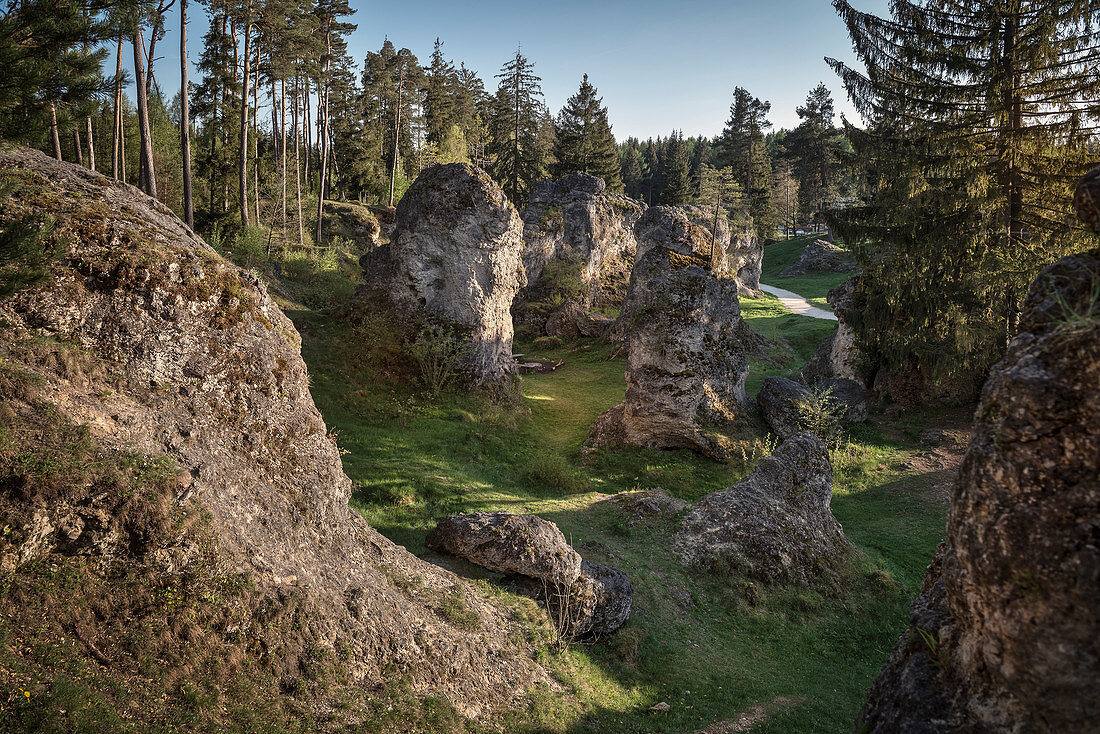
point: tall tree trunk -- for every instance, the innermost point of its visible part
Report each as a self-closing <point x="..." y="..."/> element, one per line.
<point x="308" y="129"/>
<point x="282" y="146"/>
<point x="78" y="147"/>
<point x="242" y="161"/>
<point x="256" y="137"/>
<point x="185" y="121"/>
<point x="122" y="144"/>
<point x="91" y="142"/>
<point x="148" y="170"/>
<point x="53" y="132"/>
<point x="322" y="119"/>
<point x="397" y="131"/>
<point x="116" y="136"/>
<point x="298" y="168"/>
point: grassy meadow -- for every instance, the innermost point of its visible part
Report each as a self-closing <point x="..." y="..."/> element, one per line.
<point x="717" y="650"/>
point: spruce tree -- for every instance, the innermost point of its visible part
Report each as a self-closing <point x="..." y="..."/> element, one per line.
<point x="518" y="139"/>
<point x="677" y="185"/>
<point x="979" y="117"/>
<point x="741" y="146"/>
<point x="813" y="150"/>
<point x="584" y="139"/>
<point x="439" y="95"/>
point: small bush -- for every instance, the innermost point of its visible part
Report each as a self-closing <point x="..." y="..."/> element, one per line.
<point x="822" y="414"/>
<point x="552" y="472"/>
<point x="440" y="354"/>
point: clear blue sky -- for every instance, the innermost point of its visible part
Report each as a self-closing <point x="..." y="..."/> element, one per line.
<point x="659" y="66"/>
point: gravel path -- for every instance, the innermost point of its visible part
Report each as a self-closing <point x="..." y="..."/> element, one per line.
<point x="798" y="304"/>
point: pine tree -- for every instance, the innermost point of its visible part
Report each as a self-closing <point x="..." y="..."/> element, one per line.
<point x="979" y="116"/>
<point x="518" y="139"/>
<point x="584" y="139"/>
<point x="440" y="95"/>
<point x="813" y="149"/>
<point x="631" y="165"/>
<point x="741" y="146"/>
<point x="677" y="185"/>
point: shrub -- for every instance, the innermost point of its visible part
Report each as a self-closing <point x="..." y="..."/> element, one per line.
<point x="440" y="354"/>
<point x="822" y="414"/>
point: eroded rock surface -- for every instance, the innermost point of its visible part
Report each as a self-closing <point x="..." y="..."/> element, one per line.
<point x="839" y="356"/>
<point x="456" y="256"/>
<point x="196" y="365"/>
<point x="580" y="244"/>
<point x="501" y="541"/>
<point x="733" y="248"/>
<point x="687" y="348"/>
<point x="780" y="402"/>
<point x="773" y="525"/>
<point x="1005" y="634"/>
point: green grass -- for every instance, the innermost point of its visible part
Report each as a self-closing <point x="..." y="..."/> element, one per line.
<point x="813" y="287"/>
<point x="711" y="648"/>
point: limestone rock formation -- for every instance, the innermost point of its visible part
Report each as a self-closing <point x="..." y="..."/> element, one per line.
<point x="579" y="245"/>
<point x="1005" y="634"/>
<point x="586" y="600"/>
<point x="733" y="248"/>
<point x="687" y="348"/>
<point x="456" y="256"/>
<point x="773" y="525"/>
<point x="501" y="541"/>
<point x="189" y="363"/>
<point x="821" y="256"/>
<point x="838" y="357"/>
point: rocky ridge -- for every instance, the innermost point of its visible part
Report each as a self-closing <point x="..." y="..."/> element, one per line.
<point x="201" y="371"/>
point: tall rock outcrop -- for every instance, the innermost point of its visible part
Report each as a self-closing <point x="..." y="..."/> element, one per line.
<point x="838" y="357"/>
<point x="456" y="256"/>
<point x="189" y="363"/>
<point x="1005" y="635"/>
<point x="687" y="348"/>
<point x="579" y="246"/>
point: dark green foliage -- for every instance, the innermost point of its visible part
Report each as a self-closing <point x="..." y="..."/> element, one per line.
<point x="521" y="129"/>
<point x="50" y="58"/>
<point x="970" y="151"/>
<point x="812" y="147"/>
<point x="741" y="146"/>
<point x="674" y="162"/>
<point x="583" y="139"/>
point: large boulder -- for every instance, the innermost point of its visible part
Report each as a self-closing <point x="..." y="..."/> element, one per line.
<point x="579" y="245"/>
<point x="780" y="401"/>
<point x="181" y="368"/>
<point x="585" y="600"/>
<point x="514" y="544"/>
<point x="1005" y="635"/>
<point x="821" y="256"/>
<point x="773" y="525"/>
<point x="687" y="348"/>
<point x="456" y="257"/>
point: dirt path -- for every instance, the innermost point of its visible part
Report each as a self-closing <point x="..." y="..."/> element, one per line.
<point x="797" y="303"/>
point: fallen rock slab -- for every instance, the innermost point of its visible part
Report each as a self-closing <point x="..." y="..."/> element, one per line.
<point x="515" y="544"/>
<point x="821" y="256"/>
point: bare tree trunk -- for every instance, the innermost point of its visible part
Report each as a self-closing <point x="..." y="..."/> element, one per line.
<point x="122" y="143"/>
<point x="115" y="137"/>
<point x="78" y="147"/>
<point x="322" y="119"/>
<point x="148" y="169"/>
<point x="298" y="169"/>
<point x="91" y="142"/>
<point x="256" y="136"/>
<point x="242" y="162"/>
<point x="282" y="145"/>
<point x="185" y="121"/>
<point x="53" y="132"/>
<point x="397" y="131"/>
<point x="308" y="130"/>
